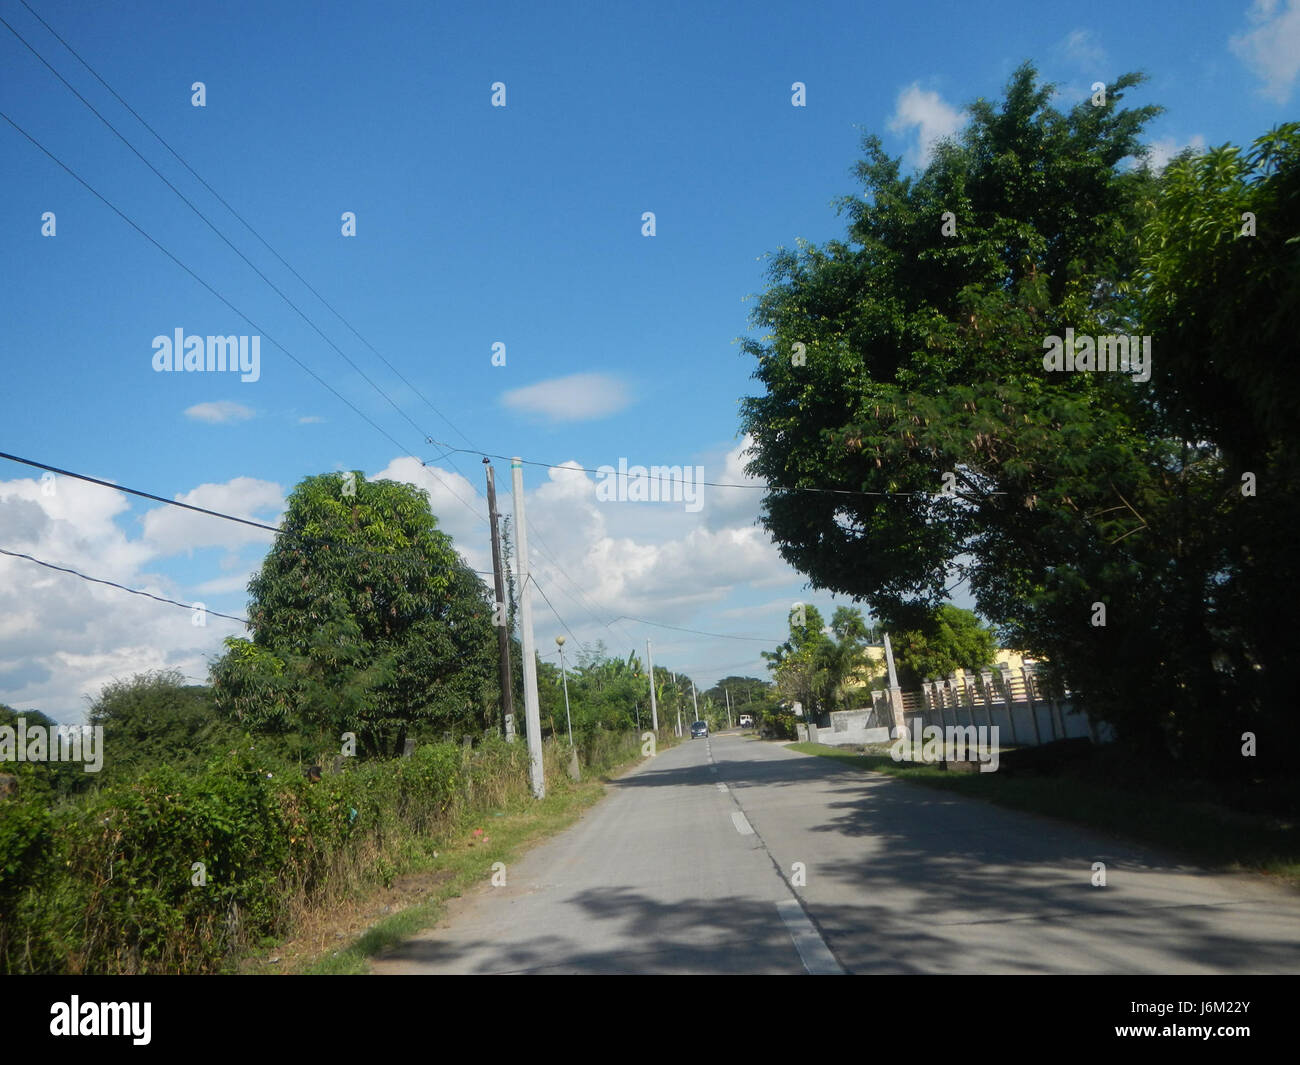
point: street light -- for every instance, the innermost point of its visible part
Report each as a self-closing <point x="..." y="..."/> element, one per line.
<point x="560" y="642"/>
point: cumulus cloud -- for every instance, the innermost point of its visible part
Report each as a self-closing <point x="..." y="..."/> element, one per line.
<point x="931" y="117"/>
<point x="62" y="639"/>
<point x="575" y="398"/>
<point x="1272" y="49"/>
<point x="642" y="559"/>
<point x="219" y="412"/>
<point x="1166" y="148"/>
<point x="732" y="506"/>
<point x="172" y="531"/>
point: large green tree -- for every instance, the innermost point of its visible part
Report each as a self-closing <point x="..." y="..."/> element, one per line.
<point x="952" y="639"/>
<point x="1098" y="516"/>
<point x="797" y="665"/>
<point x="154" y="719"/>
<point x="920" y="396"/>
<point x="1221" y="260"/>
<point x="364" y="619"/>
<point x="47" y="779"/>
<point x="824" y="667"/>
<point x="922" y="352"/>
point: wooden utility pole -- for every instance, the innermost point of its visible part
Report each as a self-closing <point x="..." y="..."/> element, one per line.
<point x="502" y="613"/>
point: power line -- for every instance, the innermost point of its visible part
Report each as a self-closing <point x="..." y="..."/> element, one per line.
<point x="292" y="536"/>
<point x="212" y="226"/>
<point x="697" y="632"/>
<point x="554" y="611"/>
<point x="734" y="665"/>
<point x="586" y="603"/>
<point x="138" y="492"/>
<point x="602" y="472"/>
<point x="247" y="225"/>
<point x="306" y="369"/>
<point x="237" y="251"/>
<point x="122" y="587"/>
<point x="303" y="366"/>
<point x="111" y="206"/>
<point x="259" y="273"/>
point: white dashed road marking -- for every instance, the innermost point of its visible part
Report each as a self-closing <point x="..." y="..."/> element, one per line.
<point x="742" y="823"/>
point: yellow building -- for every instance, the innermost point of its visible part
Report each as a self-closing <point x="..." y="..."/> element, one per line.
<point x="876" y="670"/>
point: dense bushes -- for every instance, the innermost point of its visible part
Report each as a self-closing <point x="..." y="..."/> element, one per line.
<point x="106" y="883"/>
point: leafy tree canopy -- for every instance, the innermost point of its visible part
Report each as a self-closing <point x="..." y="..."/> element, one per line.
<point x="364" y="620"/>
<point x="954" y="639"/>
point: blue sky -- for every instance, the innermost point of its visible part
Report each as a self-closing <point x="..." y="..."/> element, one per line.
<point x="475" y="225"/>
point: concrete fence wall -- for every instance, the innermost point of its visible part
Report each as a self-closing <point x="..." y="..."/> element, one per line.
<point x="1013" y="700"/>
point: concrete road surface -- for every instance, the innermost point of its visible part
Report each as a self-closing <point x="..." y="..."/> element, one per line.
<point x="688" y="865"/>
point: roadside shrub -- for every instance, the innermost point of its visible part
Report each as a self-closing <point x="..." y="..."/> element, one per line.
<point x="108" y="883"/>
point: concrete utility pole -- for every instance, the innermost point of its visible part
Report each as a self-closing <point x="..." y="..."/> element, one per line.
<point x="559" y="640"/>
<point x="532" y="715"/>
<point x="503" y="635"/>
<point x="895" y="692"/>
<point x="695" y="702"/>
<point x="654" y="706"/>
<point x="728" y="695"/>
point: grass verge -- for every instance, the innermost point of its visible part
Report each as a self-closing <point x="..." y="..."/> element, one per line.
<point x="457" y="861"/>
<point x="1170" y="815"/>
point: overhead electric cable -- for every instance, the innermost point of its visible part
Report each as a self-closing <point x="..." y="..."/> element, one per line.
<point x="122" y="587"/>
<point x="210" y="513"/>
<point x="690" y="481"/>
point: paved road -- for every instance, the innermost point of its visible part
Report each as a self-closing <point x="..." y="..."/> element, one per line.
<point x="686" y="867"/>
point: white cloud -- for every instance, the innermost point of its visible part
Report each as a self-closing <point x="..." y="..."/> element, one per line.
<point x="932" y="118"/>
<point x="648" y="560"/>
<point x="310" y="419"/>
<point x="1272" y="49"/>
<point x="227" y="585"/>
<point x="1082" y="48"/>
<point x="219" y="412"/>
<point x="578" y="397"/>
<point x="63" y="638"/>
<point x="1166" y="148"/>
<point x="733" y="506"/>
<point x="171" y="530"/>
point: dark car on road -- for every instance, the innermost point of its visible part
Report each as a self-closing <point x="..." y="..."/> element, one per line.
<point x="700" y="728"/>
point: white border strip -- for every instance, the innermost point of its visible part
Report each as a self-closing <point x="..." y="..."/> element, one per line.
<point x="813" y="951"/>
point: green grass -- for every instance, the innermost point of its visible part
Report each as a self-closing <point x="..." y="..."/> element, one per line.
<point x="1179" y="816"/>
